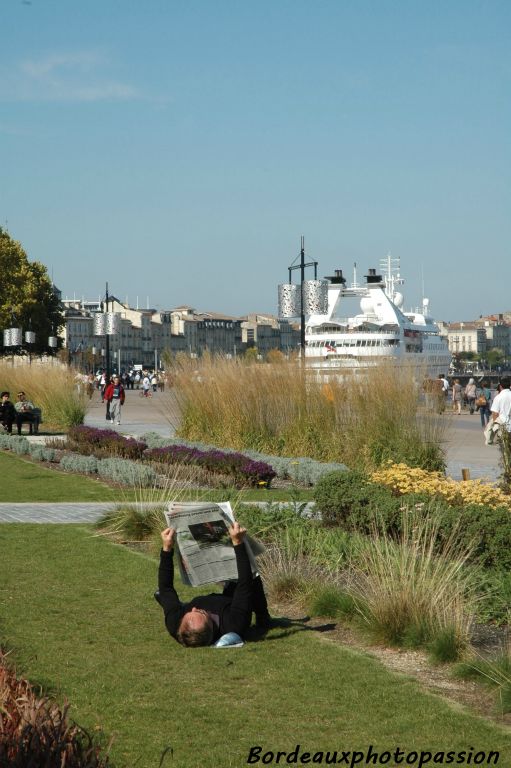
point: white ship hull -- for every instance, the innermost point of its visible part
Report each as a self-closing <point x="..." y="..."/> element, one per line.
<point x="380" y="333"/>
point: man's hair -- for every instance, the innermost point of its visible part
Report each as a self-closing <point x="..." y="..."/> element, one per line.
<point x="505" y="382"/>
<point x="5" y="393"/>
<point x="21" y="394"/>
<point x="193" y="638"/>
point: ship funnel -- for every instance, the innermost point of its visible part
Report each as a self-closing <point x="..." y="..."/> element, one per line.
<point x="372" y="277"/>
<point x="336" y="278"/>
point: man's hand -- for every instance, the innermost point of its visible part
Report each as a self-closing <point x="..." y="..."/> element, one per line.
<point x="167" y="538"/>
<point x="237" y="533"/>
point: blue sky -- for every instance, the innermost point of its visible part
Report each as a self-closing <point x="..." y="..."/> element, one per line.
<point x="180" y="149"/>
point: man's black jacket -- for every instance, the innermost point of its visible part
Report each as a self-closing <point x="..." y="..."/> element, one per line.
<point x="234" y="612"/>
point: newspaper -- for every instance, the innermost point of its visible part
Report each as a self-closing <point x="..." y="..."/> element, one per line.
<point x="204" y="549"/>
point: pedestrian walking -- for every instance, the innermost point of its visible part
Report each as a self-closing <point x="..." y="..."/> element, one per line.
<point x="114" y="395"/>
<point x="483" y="403"/>
<point x="146" y="385"/>
<point x="456" y="396"/>
<point x="470" y="395"/>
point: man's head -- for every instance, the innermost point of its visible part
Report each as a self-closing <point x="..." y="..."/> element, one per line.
<point x="5" y="395"/>
<point x="21" y="396"/>
<point x="196" y="628"/>
<point x="505" y="382"/>
<point x="116" y="379"/>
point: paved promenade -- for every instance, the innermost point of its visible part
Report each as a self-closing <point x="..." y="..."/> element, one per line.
<point x="464" y="446"/>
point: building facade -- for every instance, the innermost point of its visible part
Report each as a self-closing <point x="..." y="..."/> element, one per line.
<point x="144" y="335"/>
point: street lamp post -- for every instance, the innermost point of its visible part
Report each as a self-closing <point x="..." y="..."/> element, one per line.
<point x="306" y="297"/>
<point x="105" y="324"/>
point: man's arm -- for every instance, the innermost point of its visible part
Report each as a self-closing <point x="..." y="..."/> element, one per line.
<point x="240" y="611"/>
<point x="168" y="598"/>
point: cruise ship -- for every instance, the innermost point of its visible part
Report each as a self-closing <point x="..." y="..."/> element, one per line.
<point x="381" y="330"/>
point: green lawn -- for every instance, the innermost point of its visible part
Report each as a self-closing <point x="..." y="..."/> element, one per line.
<point x="81" y="618"/>
<point x="26" y="481"/>
<point x="31" y="482"/>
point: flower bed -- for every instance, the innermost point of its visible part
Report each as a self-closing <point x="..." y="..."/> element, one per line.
<point x="104" y="443"/>
<point x="242" y="469"/>
<point x="402" y="479"/>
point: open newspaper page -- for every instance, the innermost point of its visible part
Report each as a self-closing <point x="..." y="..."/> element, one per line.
<point x="205" y="551"/>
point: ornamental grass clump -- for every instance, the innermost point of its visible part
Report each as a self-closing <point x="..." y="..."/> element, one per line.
<point x="495" y="672"/>
<point x="140" y="517"/>
<point x="35" y="732"/>
<point x="361" y="419"/>
<point x="414" y="589"/>
<point x="51" y="387"/>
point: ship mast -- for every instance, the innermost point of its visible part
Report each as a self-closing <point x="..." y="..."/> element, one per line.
<point x="391" y="269"/>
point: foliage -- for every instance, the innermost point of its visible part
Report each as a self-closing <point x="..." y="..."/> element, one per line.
<point x="351" y="500"/>
<point x="403" y="479"/>
<point x="87" y="465"/>
<point x="488" y="531"/>
<point x="329" y="600"/>
<point x="40" y="453"/>
<point x="496" y="673"/>
<point x="34" y="731"/>
<point x="445" y="646"/>
<point x="494" y="586"/>
<point x="361" y="420"/>
<point x="415" y="589"/>
<point x="302" y="470"/>
<point x="19" y="445"/>
<point x="49" y="387"/>
<point x="504" y="442"/>
<point x="92" y="630"/>
<point x="104" y="442"/>
<point x="126" y="472"/>
<point x="130" y="522"/>
<point x="27" y="299"/>
<point x="242" y="469"/>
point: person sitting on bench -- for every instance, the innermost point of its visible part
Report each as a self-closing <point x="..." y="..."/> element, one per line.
<point x="7" y="412"/>
<point x="25" y="411"/>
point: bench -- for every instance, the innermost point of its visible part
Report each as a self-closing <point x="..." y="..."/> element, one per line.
<point x="32" y="420"/>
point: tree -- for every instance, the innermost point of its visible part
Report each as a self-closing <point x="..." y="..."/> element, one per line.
<point x="27" y="298"/>
<point x="495" y="357"/>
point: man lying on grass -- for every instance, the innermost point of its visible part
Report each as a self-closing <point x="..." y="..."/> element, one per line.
<point x="206" y="618"/>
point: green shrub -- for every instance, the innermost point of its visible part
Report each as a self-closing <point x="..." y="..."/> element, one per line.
<point x="85" y="464"/>
<point x="488" y="529"/>
<point x="350" y="500"/>
<point x="446" y="646"/>
<point x="494" y="588"/>
<point x="127" y="472"/>
<point x="331" y="601"/>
